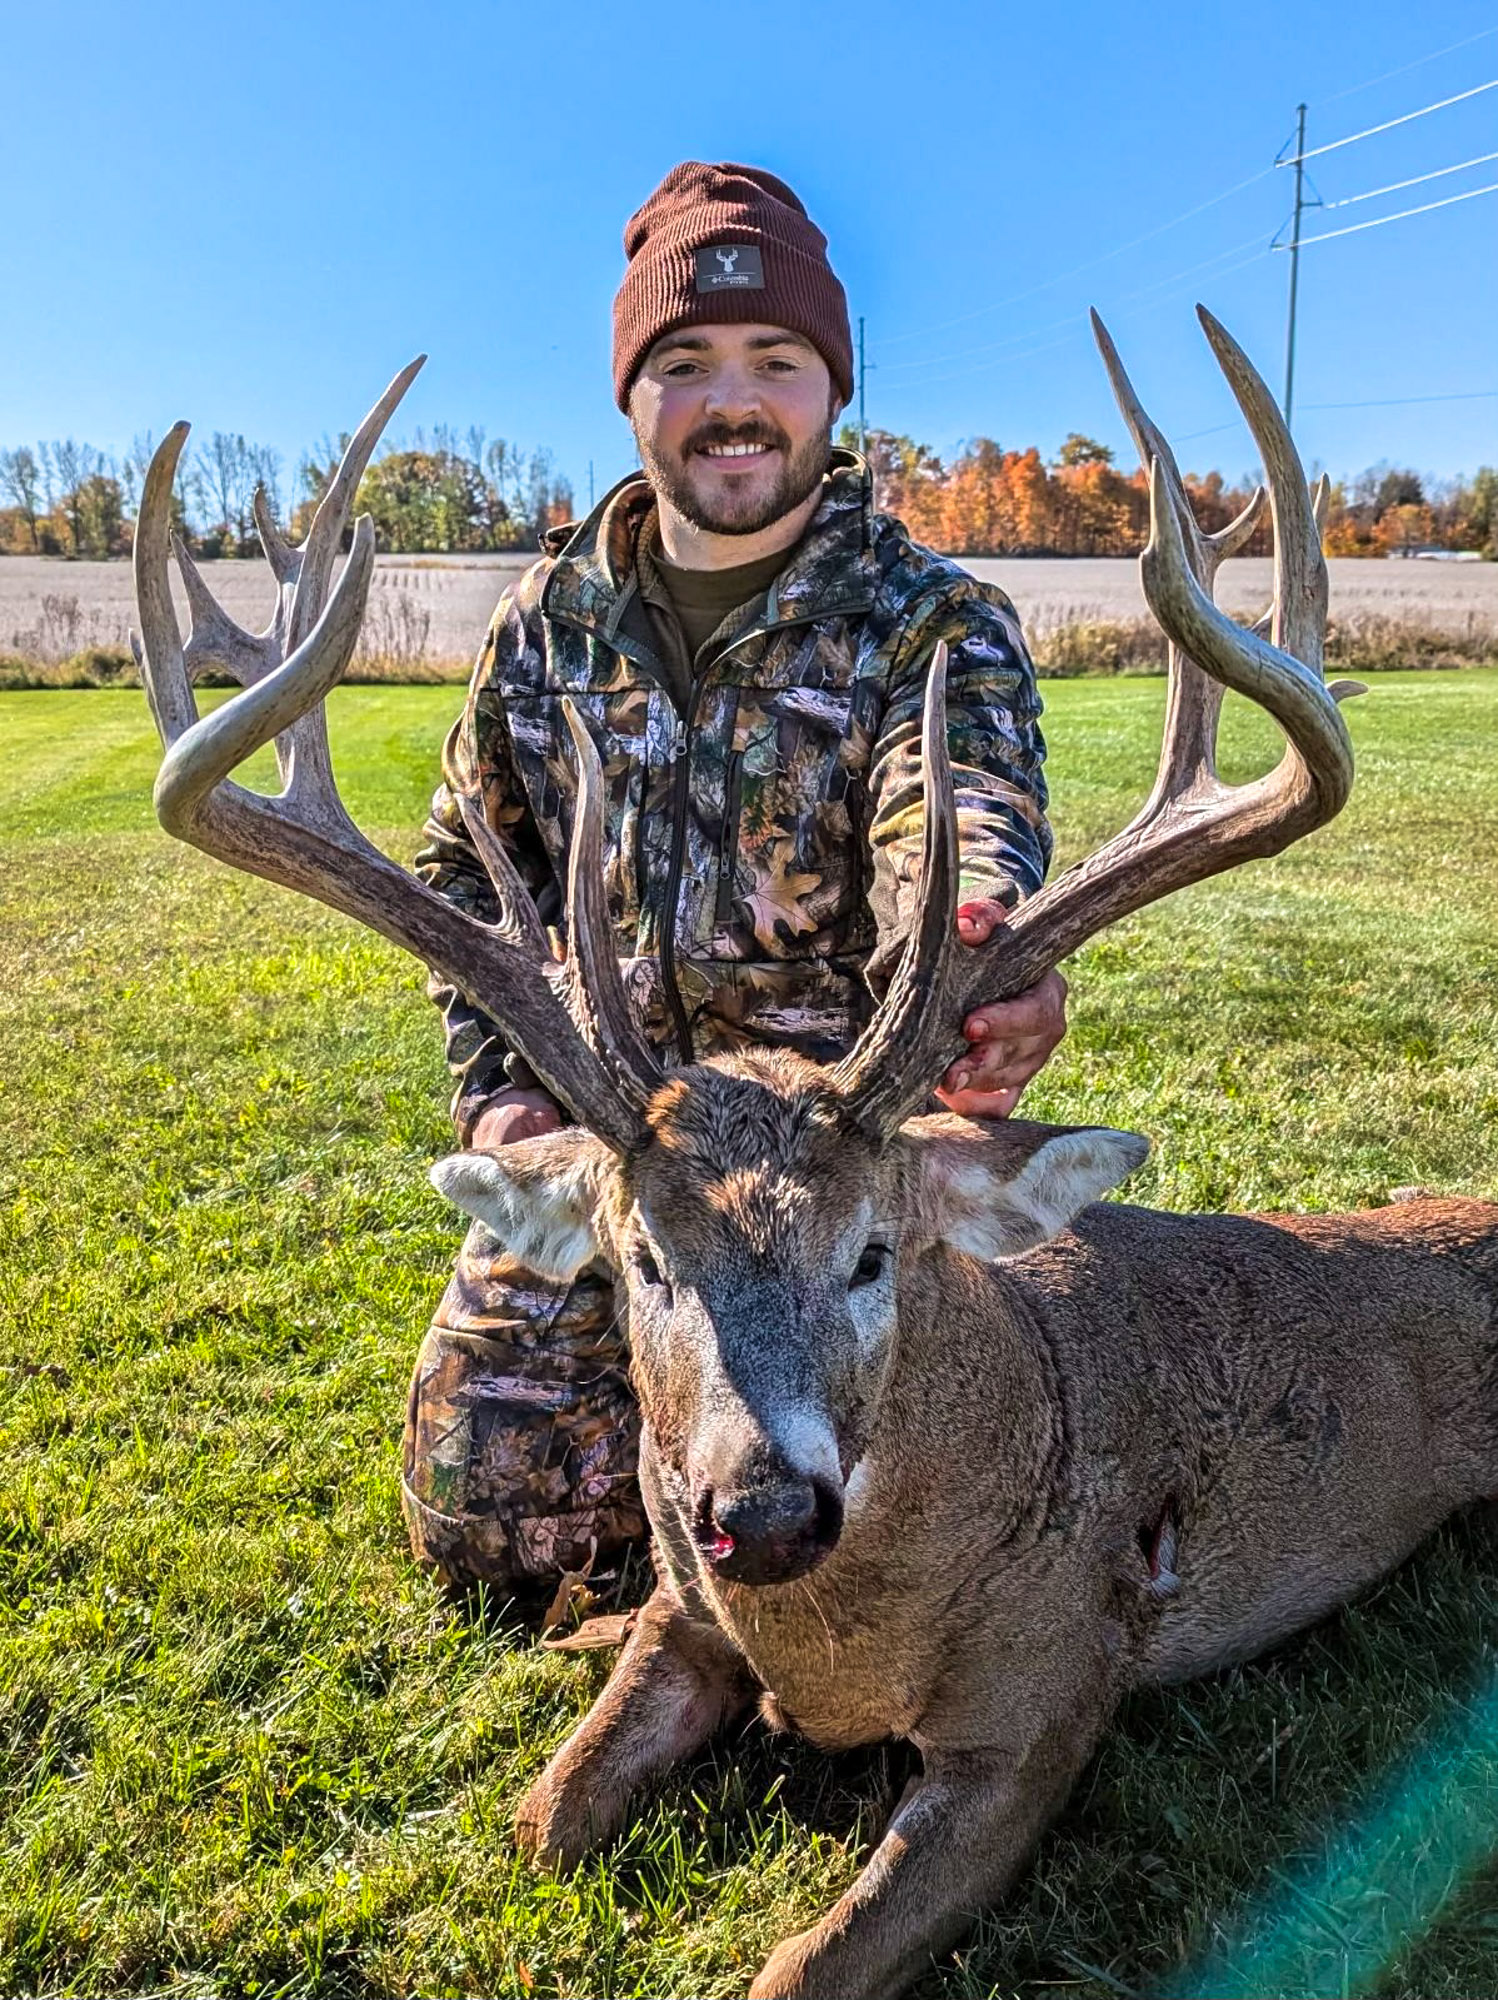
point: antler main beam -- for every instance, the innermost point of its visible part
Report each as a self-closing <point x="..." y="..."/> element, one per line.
<point x="598" y="1066"/>
<point x="1193" y="824"/>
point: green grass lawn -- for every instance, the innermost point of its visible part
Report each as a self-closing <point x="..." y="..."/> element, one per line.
<point x="246" y="1749"/>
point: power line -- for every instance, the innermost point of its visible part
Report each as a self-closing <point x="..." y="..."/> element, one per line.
<point x="985" y="347"/>
<point x="1171" y="286"/>
<point x="863" y="426"/>
<point x="1396" y="402"/>
<point x="1200" y="208"/>
<point x="1404" y="69"/>
<point x="1389" y="123"/>
<point x="1394" y="186"/>
<point x="1069" y="319"/>
<point x="1297" y="160"/>
<point x="1374" y="403"/>
<point x="1215" y="430"/>
<point x="1075" y="324"/>
<point x="1077" y="270"/>
<point x="1399" y="215"/>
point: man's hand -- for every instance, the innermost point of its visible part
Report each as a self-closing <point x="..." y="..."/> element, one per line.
<point x="1010" y="1041"/>
<point x="513" y="1114"/>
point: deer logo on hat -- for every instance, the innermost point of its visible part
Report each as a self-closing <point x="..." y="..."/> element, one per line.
<point x="727" y="258"/>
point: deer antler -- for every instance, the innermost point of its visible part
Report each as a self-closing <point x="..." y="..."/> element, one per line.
<point x="572" y="1024"/>
<point x="1193" y="825"/>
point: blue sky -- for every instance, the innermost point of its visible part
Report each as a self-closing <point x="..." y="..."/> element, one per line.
<point x="253" y="219"/>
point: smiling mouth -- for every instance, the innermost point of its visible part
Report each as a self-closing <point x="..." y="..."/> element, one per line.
<point x="736" y="454"/>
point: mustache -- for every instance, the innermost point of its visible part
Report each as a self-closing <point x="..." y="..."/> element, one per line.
<point x="758" y="433"/>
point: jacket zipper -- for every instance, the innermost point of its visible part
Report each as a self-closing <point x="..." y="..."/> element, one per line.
<point x="680" y="774"/>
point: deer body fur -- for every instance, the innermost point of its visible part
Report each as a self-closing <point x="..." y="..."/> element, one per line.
<point x="1303" y="1397"/>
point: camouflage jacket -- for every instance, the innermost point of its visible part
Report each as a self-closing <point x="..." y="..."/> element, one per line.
<point x="763" y="847"/>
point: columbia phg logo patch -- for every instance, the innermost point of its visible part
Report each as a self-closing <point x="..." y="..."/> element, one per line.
<point x="730" y="267"/>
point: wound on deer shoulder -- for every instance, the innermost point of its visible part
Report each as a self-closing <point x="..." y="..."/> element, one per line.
<point x="1158" y="1545"/>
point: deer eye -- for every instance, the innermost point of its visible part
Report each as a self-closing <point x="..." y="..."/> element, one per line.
<point x="646" y="1267"/>
<point x="871" y="1265"/>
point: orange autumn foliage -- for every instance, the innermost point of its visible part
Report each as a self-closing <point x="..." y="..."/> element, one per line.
<point x="995" y="502"/>
<point x="992" y="502"/>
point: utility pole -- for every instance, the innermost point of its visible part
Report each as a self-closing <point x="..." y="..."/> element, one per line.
<point x="863" y="428"/>
<point x="590" y="485"/>
<point x="1300" y="172"/>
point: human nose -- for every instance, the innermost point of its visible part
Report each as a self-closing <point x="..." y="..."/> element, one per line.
<point x="733" y="392"/>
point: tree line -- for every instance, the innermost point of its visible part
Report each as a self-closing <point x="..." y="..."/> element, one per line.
<point x="441" y="493"/>
<point x="449" y="492"/>
<point x="989" y="501"/>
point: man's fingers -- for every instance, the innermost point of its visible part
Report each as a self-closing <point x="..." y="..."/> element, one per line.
<point x="1015" y="1021"/>
<point x="1009" y="1041"/>
<point x="999" y="1065"/>
<point x="1039" y="1012"/>
<point x="977" y="921"/>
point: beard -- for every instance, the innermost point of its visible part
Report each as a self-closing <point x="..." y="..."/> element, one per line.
<point x="800" y="473"/>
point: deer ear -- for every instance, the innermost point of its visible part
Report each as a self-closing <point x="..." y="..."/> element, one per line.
<point x="539" y="1196"/>
<point x="998" y="1191"/>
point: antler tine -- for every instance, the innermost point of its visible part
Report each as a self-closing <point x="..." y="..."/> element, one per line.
<point x="1194" y="825"/>
<point x="1193" y="700"/>
<point x="302" y="576"/>
<point x="284" y="560"/>
<point x="518" y="917"/>
<point x="1209" y="826"/>
<point x="326" y="532"/>
<point x="590" y="981"/>
<point x="1243" y="526"/>
<point x="1319" y="760"/>
<point x="1300" y="587"/>
<point x="1321" y="500"/>
<point x="889" y="1073"/>
<point x="1151" y="444"/>
<point x="1203" y="828"/>
<point x="313" y="847"/>
<point x="596" y="995"/>
<point x="158" y="650"/>
<point x="1207" y="550"/>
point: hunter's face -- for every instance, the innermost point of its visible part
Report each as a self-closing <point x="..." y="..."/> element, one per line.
<point x="733" y="423"/>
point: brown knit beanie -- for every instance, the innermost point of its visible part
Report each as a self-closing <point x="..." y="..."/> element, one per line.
<point x="727" y="244"/>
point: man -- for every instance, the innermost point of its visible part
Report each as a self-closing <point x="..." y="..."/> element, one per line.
<point x="748" y="641"/>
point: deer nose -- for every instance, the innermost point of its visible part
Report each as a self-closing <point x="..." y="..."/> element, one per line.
<point x="766" y="1513"/>
<point x="770" y="1532"/>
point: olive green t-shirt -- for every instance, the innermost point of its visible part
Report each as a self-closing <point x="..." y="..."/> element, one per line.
<point x="689" y="605"/>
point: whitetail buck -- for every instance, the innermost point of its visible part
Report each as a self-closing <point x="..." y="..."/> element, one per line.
<point x="900" y="1488"/>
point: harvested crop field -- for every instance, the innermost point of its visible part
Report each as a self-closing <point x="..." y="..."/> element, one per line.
<point x="435" y="608"/>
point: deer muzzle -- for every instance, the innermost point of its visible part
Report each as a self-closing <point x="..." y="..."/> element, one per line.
<point x="772" y="1530"/>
